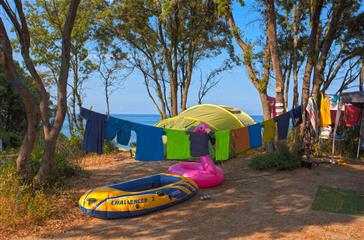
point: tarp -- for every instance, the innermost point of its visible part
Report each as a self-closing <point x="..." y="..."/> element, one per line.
<point x="217" y="117"/>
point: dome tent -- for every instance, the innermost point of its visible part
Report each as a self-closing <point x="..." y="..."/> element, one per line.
<point x="217" y="117"/>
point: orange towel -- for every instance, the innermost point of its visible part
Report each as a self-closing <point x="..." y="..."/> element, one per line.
<point x="241" y="136"/>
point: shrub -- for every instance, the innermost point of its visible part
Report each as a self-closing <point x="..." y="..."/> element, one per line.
<point x="39" y="206"/>
<point x="10" y="139"/>
<point x="109" y="146"/>
<point x="64" y="162"/>
<point x="20" y="201"/>
<point x="281" y="160"/>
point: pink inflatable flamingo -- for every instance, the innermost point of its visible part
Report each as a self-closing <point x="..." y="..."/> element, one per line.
<point x="205" y="173"/>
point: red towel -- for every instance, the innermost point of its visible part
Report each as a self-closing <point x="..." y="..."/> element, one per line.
<point x="333" y="117"/>
<point x="352" y="115"/>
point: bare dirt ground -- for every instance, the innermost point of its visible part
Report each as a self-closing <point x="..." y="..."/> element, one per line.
<point x="249" y="205"/>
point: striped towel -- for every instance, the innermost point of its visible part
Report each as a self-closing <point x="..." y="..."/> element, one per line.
<point x="311" y="108"/>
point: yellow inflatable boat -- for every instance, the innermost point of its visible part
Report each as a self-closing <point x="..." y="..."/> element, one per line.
<point x="137" y="197"/>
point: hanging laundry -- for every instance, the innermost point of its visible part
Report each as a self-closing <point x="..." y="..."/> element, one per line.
<point x="325" y="132"/>
<point x="93" y="139"/>
<point x="352" y="115"/>
<point x="255" y="135"/>
<point x="333" y="117"/>
<point x="269" y="132"/>
<point x="282" y="124"/>
<point x="119" y="128"/>
<point x="296" y="116"/>
<point x="334" y="102"/>
<point x="241" y="138"/>
<point x="325" y="116"/>
<point x="311" y="108"/>
<point x="199" y="144"/>
<point x="222" y="146"/>
<point x="272" y="106"/>
<point x="149" y="143"/>
<point x="178" y="144"/>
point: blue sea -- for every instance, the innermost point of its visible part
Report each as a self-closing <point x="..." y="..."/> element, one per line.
<point x="147" y="119"/>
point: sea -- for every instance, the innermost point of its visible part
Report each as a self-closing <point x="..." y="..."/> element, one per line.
<point x="147" y="119"/>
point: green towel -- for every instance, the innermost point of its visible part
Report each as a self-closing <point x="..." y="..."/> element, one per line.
<point x="178" y="144"/>
<point x="222" y="145"/>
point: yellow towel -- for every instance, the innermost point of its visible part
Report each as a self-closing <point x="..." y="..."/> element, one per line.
<point x="269" y="132"/>
<point x="325" y="116"/>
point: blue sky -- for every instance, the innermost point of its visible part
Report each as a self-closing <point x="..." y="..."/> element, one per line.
<point x="235" y="88"/>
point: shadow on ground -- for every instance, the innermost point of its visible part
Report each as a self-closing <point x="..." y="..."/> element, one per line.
<point x="250" y="204"/>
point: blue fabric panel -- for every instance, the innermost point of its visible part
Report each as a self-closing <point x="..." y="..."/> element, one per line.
<point x="255" y="135"/>
<point x="120" y="128"/>
<point x="93" y="139"/>
<point x="296" y="116"/>
<point x="149" y="143"/>
<point x="283" y="123"/>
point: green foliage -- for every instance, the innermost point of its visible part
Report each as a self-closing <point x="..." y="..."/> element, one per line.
<point x="109" y="147"/>
<point x="165" y="40"/>
<point x="281" y="160"/>
<point x="45" y="21"/>
<point x="12" y="114"/>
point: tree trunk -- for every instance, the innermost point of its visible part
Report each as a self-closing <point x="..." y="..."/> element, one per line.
<point x="294" y="54"/>
<point x="51" y="130"/>
<point x="171" y="73"/>
<point x="265" y="105"/>
<point x="311" y="57"/>
<point x="30" y="105"/>
<point x="361" y="78"/>
<point x="107" y="98"/>
<point x="187" y="84"/>
<point x="273" y="46"/>
<point x="51" y="135"/>
<point x="288" y="79"/>
<point x="330" y="36"/>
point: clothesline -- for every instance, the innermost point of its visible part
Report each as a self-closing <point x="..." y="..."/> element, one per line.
<point x="181" y="144"/>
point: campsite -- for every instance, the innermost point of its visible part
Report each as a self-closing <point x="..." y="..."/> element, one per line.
<point x="216" y="119"/>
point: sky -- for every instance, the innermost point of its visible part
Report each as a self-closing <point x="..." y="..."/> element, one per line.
<point x="235" y="88"/>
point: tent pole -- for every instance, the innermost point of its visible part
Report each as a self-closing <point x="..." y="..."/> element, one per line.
<point x="359" y="142"/>
<point x="337" y="118"/>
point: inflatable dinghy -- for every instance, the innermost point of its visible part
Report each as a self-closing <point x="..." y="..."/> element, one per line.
<point x="137" y="197"/>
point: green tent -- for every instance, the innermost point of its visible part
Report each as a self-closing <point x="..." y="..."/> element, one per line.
<point x="217" y="117"/>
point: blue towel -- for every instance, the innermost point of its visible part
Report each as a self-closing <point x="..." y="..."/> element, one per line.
<point x="283" y="123"/>
<point x="149" y="143"/>
<point x="120" y="128"/>
<point x="255" y="135"/>
<point x="296" y="116"/>
<point x="93" y="139"/>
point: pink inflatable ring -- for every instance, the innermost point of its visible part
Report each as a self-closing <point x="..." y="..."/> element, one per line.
<point x="205" y="173"/>
<point x="203" y="177"/>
